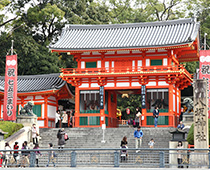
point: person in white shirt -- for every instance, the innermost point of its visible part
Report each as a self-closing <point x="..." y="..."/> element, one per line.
<point x="57" y="119"/>
<point x="34" y="133"/>
<point x="6" y="155"/>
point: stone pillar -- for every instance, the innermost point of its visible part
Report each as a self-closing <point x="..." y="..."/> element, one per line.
<point x="201" y="133"/>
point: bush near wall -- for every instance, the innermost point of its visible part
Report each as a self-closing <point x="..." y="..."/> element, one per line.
<point x="10" y="127"/>
<point x="190" y="136"/>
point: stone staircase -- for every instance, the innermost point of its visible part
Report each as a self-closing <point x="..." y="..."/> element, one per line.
<point x="92" y="137"/>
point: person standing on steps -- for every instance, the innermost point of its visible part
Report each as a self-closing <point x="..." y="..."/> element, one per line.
<point x="38" y="153"/>
<point x="34" y="133"/>
<point x="15" y="147"/>
<point x="138" y="134"/>
<point x="138" y="114"/>
<point x="156" y="115"/>
<point x="61" y="138"/>
<point x="151" y="143"/>
<point x="64" y="120"/>
<point x="179" y="154"/>
<point x="57" y="119"/>
<point x="51" y="156"/>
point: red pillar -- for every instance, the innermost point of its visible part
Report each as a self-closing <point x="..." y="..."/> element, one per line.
<point x="170" y="109"/>
<point x="77" y="106"/>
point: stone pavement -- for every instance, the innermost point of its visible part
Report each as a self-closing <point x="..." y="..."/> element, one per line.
<point x="96" y="168"/>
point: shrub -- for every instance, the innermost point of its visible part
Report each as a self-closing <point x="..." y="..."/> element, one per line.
<point x="9" y="127"/>
<point x="190" y="136"/>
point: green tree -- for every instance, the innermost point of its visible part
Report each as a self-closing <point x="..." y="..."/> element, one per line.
<point x="44" y="21"/>
<point x="162" y="10"/>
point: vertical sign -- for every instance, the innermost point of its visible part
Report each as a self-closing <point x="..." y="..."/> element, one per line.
<point x="101" y="94"/>
<point x="204" y="71"/>
<point x="201" y="135"/>
<point x="10" y="88"/>
<point x="143" y="96"/>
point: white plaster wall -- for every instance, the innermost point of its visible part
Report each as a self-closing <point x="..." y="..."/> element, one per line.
<point x="162" y="83"/>
<point x="139" y="62"/>
<point x="39" y="97"/>
<point x="52" y="98"/>
<point x="152" y="83"/>
<point x="133" y="63"/>
<point x="52" y="102"/>
<point x="135" y="84"/>
<point x="99" y="64"/>
<point x="126" y="84"/>
<point x="177" y="104"/>
<point x="82" y="64"/>
<point x="51" y="111"/>
<point x="43" y="111"/>
<point x="165" y="61"/>
<point x="174" y="103"/>
<point x="106" y="63"/>
<point x="29" y="98"/>
<point x="94" y="85"/>
<point x="109" y="85"/>
<point x="84" y="85"/>
<point x="40" y="122"/>
<point x="113" y="64"/>
<point x="147" y="62"/>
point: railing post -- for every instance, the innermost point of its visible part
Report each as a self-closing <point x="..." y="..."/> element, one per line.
<point x="32" y="159"/>
<point x="209" y="159"/>
<point x="116" y="159"/>
<point x="73" y="159"/>
<point x="162" y="160"/>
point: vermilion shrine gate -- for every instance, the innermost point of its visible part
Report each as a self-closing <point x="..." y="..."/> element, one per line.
<point x="129" y="57"/>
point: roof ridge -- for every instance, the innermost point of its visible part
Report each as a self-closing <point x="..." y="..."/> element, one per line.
<point x="36" y="76"/>
<point x="126" y="25"/>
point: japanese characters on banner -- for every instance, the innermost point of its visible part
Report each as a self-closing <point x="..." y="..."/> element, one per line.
<point x="10" y="88"/>
<point x="204" y="71"/>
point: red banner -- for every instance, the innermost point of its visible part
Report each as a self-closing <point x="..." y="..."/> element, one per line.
<point x="204" y="71"/>
<point x="10" y="88"/>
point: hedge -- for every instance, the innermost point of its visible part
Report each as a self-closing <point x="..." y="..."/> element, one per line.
<point x="190" y="136"/>
<point x="10" y="127"/>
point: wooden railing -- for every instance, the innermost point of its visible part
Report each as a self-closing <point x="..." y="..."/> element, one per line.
<point x="124" y="70"/>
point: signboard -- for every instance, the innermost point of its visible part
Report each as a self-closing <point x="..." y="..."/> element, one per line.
<point x="201" y="130"/>
<point x="10" y="88"/>
<point x="204" y="72"/>
<point x="101" y="94"/>
<point x="143" y="96"/>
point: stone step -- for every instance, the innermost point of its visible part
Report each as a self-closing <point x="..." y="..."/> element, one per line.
<point x="91" y="137"/>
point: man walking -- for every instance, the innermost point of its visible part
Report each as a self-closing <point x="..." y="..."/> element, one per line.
<point x="156" y="115"/>
<point x="138" y="134"/>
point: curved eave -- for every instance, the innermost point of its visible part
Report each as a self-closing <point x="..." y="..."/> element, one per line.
<point x="53" y="91"/>
<point x="170" y="46"/>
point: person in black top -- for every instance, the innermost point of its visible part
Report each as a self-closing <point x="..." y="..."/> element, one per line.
<point x="124" y="141"/>
<point x="16" y="147"/>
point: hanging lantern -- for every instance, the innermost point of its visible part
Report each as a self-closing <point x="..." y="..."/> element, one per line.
<point x="125" y="95"/>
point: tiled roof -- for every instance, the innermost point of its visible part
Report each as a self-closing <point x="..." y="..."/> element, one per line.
<point x="135" y="35"/>
<point x="35" y="83"/>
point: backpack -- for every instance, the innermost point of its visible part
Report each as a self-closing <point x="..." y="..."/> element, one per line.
<point x="66" y="137"/>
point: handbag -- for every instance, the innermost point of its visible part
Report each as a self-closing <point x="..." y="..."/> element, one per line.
<point x="66" y="137"/>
